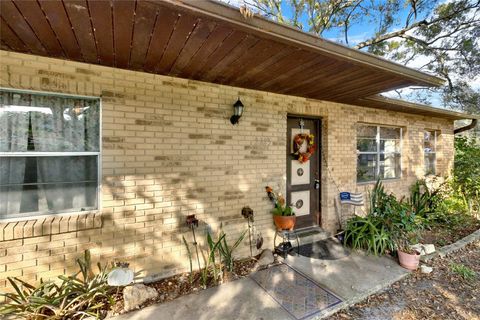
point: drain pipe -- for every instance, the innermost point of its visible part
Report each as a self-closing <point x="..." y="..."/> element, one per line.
<point x="467" y="127"/>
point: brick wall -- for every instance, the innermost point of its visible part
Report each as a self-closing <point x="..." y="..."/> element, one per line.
<point x="169" y="150"/>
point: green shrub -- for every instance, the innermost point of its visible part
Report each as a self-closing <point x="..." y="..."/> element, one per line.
<point x="368" y="233"/>
<point x="386" y="219"/>
<point x="449" y="208"/>
<point x="380" y="203"/>
<point x="79" y="296"/>
<point x="394" y="213"/>
<point x="454" y="209"/>
<point x="424" y="201"/>
<point x="404" y="218"/>
<point x="466" y="173"/>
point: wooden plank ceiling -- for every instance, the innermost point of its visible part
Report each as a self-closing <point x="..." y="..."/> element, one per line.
<point x="171" y="38"/>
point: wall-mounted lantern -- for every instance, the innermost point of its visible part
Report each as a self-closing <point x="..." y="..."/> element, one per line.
<point x="237" y="111"/>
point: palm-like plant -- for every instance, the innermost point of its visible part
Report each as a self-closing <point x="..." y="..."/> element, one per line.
<point x="79" y="296"/>
<point x="227" y="251"/>
<point x="368" y="233"/>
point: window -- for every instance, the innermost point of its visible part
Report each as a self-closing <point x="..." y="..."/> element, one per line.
<point x="49" y="153"/>
<point x="430" y="151"/>
<point x="378" y="153"/>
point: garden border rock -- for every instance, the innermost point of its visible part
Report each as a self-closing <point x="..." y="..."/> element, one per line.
<point x="443" y="251"/>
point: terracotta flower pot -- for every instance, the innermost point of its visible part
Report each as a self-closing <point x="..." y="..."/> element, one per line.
<point x="409" y="261"/>
<point x="284" y="222"/>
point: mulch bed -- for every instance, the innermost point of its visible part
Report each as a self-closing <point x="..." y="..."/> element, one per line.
<point x="443" y="234"/>
<point x="179" y="285"/>
<point x="442" y="294"/>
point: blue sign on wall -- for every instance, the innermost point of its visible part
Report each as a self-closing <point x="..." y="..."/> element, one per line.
<point x="345" y="196"/>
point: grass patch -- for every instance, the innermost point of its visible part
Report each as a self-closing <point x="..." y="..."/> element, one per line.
<point x="463" y="271"/>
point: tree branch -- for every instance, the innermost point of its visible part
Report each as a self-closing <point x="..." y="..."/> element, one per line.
<point x="381" y="38"/>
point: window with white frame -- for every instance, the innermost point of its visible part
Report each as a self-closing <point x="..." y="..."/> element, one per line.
<point x="378" y="152"/>
<point x="49" y="153"/>
<point x="430" y="151"/>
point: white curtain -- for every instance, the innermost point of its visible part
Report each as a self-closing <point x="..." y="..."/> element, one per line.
<point x="61" y="128"/>
<point x="51" y="183"/>
<point x="13" y="138"/>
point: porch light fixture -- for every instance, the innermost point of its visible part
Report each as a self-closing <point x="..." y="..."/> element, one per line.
<point x="237" y="112"/>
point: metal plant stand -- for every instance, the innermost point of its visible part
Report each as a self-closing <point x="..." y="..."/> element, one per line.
<point x="285" y="246"/>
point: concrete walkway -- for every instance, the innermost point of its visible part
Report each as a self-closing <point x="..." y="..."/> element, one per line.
<point x="351" y="278"/>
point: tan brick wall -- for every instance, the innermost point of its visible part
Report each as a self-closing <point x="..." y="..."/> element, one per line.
<point x="169" y="150"/>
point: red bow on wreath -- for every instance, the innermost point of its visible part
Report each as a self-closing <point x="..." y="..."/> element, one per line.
<point x="298" y="141"/>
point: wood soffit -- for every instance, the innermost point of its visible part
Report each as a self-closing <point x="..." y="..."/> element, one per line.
<point x="200" y="40"/>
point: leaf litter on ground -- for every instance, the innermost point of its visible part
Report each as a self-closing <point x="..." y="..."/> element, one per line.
<point x="442" y="294"/>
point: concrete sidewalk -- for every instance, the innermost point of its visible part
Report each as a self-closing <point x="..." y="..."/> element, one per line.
<point x="351" y="278"/>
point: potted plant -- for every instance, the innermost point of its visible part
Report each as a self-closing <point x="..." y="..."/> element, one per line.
<point x="407" y="257"/>
<point x="283" y="215"/>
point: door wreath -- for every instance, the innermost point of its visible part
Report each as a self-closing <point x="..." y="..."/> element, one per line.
<point x="298" y="141"/>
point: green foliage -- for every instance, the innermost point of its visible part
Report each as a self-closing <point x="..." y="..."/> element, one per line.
<point x="449" y="210"/>
<point x="467" y="159"/>
<point x="280" y="210"/>
<point x="389" y="223"/>
<point x="210" y="266"/>
<point x="379" y="201"/>
<point x="394" y="213"/>
<point x="397" y="223"/>
<point x="405" y="219"/>
<point x="404" y="239"/>
<point x="217" y="257"/>
<point x="226" y="251"/>
<point x="280" y="206"/>
<point x="368" y="233"/>
<point x="451" y="216"/>
<point x="79" y="296"/>
<point x="460" y="196"/>
<point x="422" y="200"/>
<point x="463" y="271"/>
<point x="466" y="171"/>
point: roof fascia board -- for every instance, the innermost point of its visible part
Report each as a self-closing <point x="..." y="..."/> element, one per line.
<point x="423" y="107"/>
<point x="288" y="34"/>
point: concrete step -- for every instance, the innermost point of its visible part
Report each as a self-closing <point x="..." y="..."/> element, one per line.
<point x="312" y="234"/>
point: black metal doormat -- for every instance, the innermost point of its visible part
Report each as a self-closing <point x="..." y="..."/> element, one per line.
<point x="328" y="249"/>
<point x="300" y="296"/>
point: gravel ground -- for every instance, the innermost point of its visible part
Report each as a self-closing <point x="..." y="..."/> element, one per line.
<point x="443" y="294"/>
